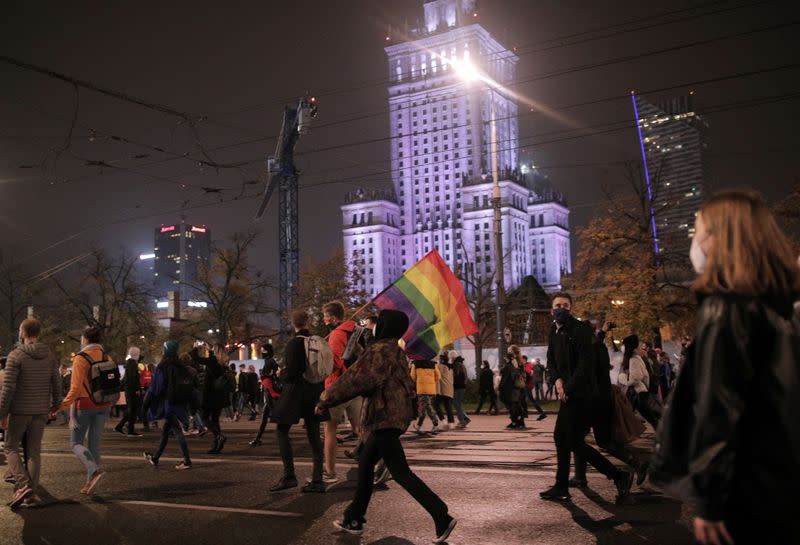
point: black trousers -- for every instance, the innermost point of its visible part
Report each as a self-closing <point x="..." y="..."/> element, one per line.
<point x="211" y="419"/>
<point x="448" y="407"/>
<point x="492" y="400"/>
<point x="285" y="447"/>
<point x="131" y="413"/>
<point x="601" y="421"/>
<point x="385" y="444"/>
<point x="529" y="396"/>
<point x="264" y="416"/>
<point x="572" y="425"/>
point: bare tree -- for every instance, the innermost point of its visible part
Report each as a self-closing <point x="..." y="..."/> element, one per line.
<point x="15" y="296"/>
<point x="230" y="287"/>
<point x="478" y="292"/>
<point x="105" y="293"/>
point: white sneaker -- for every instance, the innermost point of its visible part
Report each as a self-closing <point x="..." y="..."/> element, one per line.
<point x="416" y="427"/>
<point x="327" y="478"/>
<point x="445" y="427"/>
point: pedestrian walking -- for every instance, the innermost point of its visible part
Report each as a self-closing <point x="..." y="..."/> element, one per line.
<point x="381" y="376"/>
<point x="512" y="388"/>
<point x="459" y="388"/>
<point x="601" y="421"/>
<point x="570" y="357"/>
<point x="635" y="379"/>
<point x="728" y="442"/>
<point x="530" y="384"/>
<point x="168" y="398"/>
<point x="130" y="386"/>
<point x="340" y="331"/>
<point x="31" y="391"/>
<point x="426" y="375"/>
<point x="486" y="389"/>
<point x="216" y="391"/>
<point x="298" y="399"/>
<point x="91" y="405"/>
<point x="269" y="388"/>
<point x="445" y="390"/>
<point x="538" y="379"/>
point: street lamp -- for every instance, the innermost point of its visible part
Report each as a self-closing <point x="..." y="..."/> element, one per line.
<point x="468" y="73"/>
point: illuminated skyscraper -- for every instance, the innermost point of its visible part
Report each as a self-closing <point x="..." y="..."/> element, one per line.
<point x="672" y="141"/>
<point x="179" y="250"/>
<point x="441" y="165"/>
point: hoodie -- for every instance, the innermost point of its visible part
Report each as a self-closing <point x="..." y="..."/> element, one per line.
<point x="32" y="383"/>
<point x="381" y="376"/>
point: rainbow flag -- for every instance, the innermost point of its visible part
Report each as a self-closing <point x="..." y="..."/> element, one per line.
<point x="433" y="299"/>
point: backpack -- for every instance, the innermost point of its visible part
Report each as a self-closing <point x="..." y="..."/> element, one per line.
<point x="145" y="378"/>
<point x="319" y="359"/>
<point x="180" y="385"/>
<point x="105" y="379"/>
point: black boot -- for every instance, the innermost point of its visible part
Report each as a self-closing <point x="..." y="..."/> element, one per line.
<point x="215" y="446"/>
<point x="287" y="481"/>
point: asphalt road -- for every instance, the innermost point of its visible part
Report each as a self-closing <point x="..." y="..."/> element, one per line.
<point x="489" y="477"/>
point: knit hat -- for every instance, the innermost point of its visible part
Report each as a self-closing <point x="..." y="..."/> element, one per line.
<point x="171" y="347"/>
<point x="630" y="342"/>
<point x="452" y="355"/>
<point x="133" y="353"/>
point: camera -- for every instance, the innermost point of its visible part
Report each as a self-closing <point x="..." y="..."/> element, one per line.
<point x="611" y="325"/>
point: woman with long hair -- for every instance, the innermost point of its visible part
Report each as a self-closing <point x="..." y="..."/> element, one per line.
<point x="730" y="440"/>
<point x="634" y="377"/>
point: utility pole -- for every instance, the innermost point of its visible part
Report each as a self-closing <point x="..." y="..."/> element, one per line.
<point x="498" y="237"/>
<point x="283" y="175"/>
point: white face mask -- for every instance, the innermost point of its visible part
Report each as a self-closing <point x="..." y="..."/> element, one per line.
<point x="697" y="256"/>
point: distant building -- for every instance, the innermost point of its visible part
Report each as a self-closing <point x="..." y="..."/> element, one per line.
<point x="673" y="141"/>
<point x="441" y="165"/>
<point x="179" y="250"/>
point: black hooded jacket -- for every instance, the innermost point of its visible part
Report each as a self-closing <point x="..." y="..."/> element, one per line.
<point x="570" y="357"/>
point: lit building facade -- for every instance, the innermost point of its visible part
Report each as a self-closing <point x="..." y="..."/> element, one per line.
<point x="672" y="137"/>
<point x="179" y="251"/>
<point x="441" y="165"/>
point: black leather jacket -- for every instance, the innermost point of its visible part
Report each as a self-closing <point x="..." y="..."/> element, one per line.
<point x="729" y="440"/>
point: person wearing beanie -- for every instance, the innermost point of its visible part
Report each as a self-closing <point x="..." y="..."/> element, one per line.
<point x="130" y="386"/>
<point x="381" y="376"/>
<point x="163" y="402"/>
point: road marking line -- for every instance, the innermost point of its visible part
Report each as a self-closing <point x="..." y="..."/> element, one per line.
<point x="308" y="463"/>
<point x="212" y="508"/>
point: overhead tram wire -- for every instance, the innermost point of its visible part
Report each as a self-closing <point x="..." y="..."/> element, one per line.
<point x="547" y="45"/>
<point x="98" y="225"/>
<point x="527" y="80"/>
<point x="603" y="128"/>
<point x="623" y="96"/>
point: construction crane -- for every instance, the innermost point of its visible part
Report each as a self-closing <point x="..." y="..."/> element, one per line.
<point x="283" y="176"/>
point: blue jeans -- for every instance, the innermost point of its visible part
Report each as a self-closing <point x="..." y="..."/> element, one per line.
<point x="90" y="422"/>
<point x="172" y="425"/>
<point x="458" y="399"/>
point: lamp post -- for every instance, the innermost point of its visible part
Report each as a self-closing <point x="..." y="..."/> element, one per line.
<point x="467" y="72"/>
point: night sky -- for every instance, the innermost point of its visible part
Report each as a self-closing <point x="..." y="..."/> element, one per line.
<point x="232" y="66"/>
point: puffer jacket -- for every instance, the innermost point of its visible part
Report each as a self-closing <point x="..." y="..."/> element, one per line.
<point x="445" y="384"/>
<point x="31" y="384"/>
<point x="729" y="440"/>
<point x="426" y="376"/>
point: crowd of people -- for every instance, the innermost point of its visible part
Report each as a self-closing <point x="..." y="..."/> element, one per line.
<point x="735" y="384"/>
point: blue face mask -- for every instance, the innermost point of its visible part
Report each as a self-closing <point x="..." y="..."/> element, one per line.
<point x="561" y="315"/>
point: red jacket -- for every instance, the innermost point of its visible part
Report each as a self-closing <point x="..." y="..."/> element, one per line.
<point x="338" y="342"/>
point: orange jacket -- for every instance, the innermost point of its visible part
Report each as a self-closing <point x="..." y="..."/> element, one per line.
<point x="80" y="387"/>
<point x="426" y="379"/>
